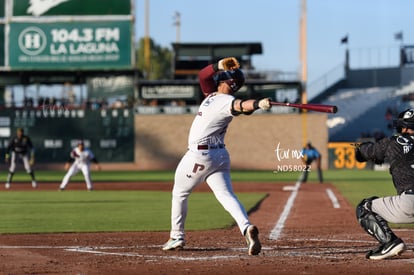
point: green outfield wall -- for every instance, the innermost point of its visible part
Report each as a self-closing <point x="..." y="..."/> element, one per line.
<point x="55" y="131"/>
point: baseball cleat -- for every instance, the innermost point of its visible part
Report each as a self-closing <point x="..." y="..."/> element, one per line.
<point x="7" y="185"/>
<point x="252" y="239"/>
<point x="173" y="244"/>
<point x="34" y="184"/>
<point x="391" y="249"/>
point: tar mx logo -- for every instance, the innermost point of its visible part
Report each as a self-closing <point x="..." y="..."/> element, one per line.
<point x="32" y="41"/>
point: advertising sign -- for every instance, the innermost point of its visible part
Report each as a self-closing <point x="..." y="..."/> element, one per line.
<point x="63" y="45"/>
<point x="110" y="86"/>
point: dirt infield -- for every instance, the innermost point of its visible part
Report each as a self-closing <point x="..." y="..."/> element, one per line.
<point x="308" y="229"/>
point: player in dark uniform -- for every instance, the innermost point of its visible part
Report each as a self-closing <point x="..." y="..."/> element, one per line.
<point x="21" y="147"/>
<point x="375" y="213"/>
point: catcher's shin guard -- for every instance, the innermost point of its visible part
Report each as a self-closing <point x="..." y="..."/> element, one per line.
<point x="373" y="223"/>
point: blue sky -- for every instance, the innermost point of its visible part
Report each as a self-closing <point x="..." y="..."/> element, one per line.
<point x="369" y="24"/>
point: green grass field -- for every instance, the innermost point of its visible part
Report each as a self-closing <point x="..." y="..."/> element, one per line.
<point x="110" y="211"/>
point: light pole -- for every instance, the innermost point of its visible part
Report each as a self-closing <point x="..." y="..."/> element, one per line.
<point x="177" y="23"/>
<point x="303" y="55"/>
<point x="147" y="46"/>
<point x="304" y="68"/>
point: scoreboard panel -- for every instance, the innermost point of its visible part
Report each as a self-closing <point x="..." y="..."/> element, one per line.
<point x="108" y="132"/>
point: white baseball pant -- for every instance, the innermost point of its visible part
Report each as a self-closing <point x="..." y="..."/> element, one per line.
<point x="212" y="166"/>
<point x="73" y="170"/>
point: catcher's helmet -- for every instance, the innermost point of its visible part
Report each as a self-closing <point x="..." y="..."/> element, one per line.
<point x="234" y="78"/>
<point x="405" y="120"/>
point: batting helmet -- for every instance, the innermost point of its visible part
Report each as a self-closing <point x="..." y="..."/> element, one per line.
<point x="405" y="120"/>
<point x="234" y="78"/>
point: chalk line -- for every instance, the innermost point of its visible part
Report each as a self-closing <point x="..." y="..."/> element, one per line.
<point x="277" y="230"/>
<point x="333" y="198"/>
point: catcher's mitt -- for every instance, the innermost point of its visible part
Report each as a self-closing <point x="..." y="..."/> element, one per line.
<point x="228" y="63"/>
<point x="358" y="155"/>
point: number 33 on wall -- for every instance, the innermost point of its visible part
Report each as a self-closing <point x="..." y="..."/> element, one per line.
<point x="342" y="155"/>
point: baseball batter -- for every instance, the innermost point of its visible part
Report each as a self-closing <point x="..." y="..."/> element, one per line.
<point x="207" y="159"/>
<point x="20" y="147"/>
<point x="375" y="213"/>
<point x="81" y="159"/>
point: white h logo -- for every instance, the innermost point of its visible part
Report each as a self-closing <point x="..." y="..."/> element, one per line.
<point x="32" y="41"/>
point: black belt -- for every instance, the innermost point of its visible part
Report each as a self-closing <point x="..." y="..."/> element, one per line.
<point x="212" y="146"/>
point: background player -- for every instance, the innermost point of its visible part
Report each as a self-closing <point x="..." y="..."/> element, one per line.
<point x="81" y="158"/>
<point x="207" y="158"/>
<point x="21" y="147"/>
<point x="311" y="154"/>
<point x="375" y="213"/>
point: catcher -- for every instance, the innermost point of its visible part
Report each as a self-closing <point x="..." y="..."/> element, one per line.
<point x="375" y="213"/>
<point x="20" y="146"/>
<point x="207" y="159"/>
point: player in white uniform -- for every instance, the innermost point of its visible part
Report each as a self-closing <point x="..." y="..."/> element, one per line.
<point x="207" y="159"/>
<point x="81" y="159"/>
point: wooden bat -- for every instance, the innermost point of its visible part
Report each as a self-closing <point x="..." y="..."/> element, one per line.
<point x="312" y="107"/>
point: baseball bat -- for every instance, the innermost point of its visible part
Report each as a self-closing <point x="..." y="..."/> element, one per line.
<point x="307" y="106"/>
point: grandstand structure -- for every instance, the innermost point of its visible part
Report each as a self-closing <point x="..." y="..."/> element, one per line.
<point x="369" y="99"/>
<point x="181" y="94"/>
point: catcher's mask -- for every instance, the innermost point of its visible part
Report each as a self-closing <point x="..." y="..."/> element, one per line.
<point x="234" y="78"/>
<point x="405" y="120"/>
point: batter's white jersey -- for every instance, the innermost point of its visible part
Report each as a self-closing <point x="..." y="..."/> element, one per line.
<point x="213" y="117"/>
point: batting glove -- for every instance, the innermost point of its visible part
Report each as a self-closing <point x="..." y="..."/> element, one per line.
<point x="263" y="104"/>
<point x="228" y="63"/>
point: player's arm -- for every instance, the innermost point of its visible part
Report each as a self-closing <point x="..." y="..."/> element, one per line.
<point x="206" y="80"/>
<point x="247" y="107"/>
<point x="73" y="155"/>
<point x="31" y="151"/>
<point x="68" y="163"/>
<point x="9" y="148"/>
<point x="304" y="156"/>
<point x="71" y="159"/>
<point x="372" y="151"/>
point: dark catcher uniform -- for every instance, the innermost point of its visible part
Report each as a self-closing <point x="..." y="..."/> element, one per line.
<point x="375" y="213"/>
<point x="20" y="147"/>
